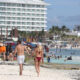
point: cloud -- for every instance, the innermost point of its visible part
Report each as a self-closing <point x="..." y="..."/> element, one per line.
<point x="54" y="20"/>
<point x="66" y="2"/>
<point x="69" y="21"/>
<point x="75" y="18"/>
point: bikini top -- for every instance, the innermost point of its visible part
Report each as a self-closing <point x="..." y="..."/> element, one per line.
<point x="39" y="51"/>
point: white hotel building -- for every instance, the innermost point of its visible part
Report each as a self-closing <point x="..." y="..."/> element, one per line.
<point x="25" y="15"/>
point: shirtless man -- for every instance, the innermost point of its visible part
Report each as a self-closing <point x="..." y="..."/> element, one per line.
<point x="20" y="52"/>
<point x="38" y="52"/>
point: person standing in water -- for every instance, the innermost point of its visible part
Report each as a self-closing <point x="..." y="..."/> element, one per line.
<point x="20" y="52"/>
<point x="38" y="53"/>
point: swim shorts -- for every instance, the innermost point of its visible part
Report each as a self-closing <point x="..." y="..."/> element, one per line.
<point x="21" y="59"/>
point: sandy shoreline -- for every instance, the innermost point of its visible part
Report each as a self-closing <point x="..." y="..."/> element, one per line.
<point x="11" y="72"/>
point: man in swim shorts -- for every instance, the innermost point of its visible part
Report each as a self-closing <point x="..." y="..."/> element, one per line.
<point x="20" y="52"/>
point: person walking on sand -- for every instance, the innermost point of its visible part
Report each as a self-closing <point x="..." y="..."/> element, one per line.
<point x="20" y="52"/>
<point x="10" y="53"/>
<point x="3" y="50"/>
<point x="38" y="53"/>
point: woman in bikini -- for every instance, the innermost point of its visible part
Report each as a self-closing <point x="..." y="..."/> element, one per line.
<point x="38" y="52"/>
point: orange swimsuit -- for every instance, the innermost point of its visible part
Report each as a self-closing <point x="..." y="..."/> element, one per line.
<point x="3" y="49"/>
<point x="0" y="49"/>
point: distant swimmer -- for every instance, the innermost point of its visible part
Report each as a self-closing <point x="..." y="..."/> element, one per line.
<point x="20" y="52"/>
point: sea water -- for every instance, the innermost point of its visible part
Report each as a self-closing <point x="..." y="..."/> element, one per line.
<point x="74" y="53"/>
<point x="65" y="52"/>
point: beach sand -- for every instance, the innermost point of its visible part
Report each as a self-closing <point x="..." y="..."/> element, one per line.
<point x="11" y="72"/>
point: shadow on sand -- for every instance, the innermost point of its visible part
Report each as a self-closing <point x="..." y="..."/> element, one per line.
<point x="17" y="75"/>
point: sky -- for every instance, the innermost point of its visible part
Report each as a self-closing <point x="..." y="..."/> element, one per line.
<point x="63" y="12"/>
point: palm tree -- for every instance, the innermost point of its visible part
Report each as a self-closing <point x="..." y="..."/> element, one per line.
<point x="77" y="28"/>
<point x="64" y="28"/>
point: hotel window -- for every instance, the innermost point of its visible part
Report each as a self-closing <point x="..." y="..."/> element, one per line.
<point x="13" y="14"/>
<point x="28" y="27"/>
<point x="38" y="23"/>
<point x="42" y="10"/>
<point x="28" y="9"/>
<point x="33" y="14"/>
<point x="23" y="27"/>
<point x="8" y="9"/>
<point x="42" y="23"/>
<point x="23" y="10"/>
<point x="42" y="28"/>
<point x="38" y="6"/>
<point x="8" y="22"/>
<point x="23" y="23"/>
<point x="42" y="6"/>
<point x="28" y="23"/>
<point x="18" y="9"/>
<point x="2" y="27"/>
<point x="23" y="14"/>
<point x="3" y="31"/>
<point x="38" y="19"/>
<point x="42" y="19"/>
<point x="33" y="9"/>
<point x="37" y="10"/>
<point x="32" y="6"/>
<point x="9" y="4"/>
<point x="8" y="27"/>
<point x="19" y="14"/>
<point x="13" y="4"/>
<point x="2" y="18"/>
<point x="42" y="15"/>
<point x="2" y="4"/>
<point x="19" y="5"/>
<point x="23" y="19"/>
<point x="28" y="14"/>
<point x="2" y="22"/>
<point x="33" y="23"/>
<point x="33" y="19"/>
<point x="13" y="9"/>
<point x="38" y="14"/>
<point x="7" y="18"/>
<point x="18" y="27"/>
<point x="28" y="18"/>
<point x="23" y="5"/>
<point x="28" y="5"/>
<point x="18" y="18"/>
<point x="2" y="13"/>
<point x="18" y="23"/>
<point x="13" y="18"/>
<point x="32" y="27"/>
<point x="2" y="8"/>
